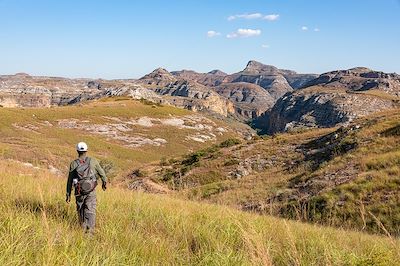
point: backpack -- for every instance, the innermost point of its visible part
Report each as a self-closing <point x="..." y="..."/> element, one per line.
<point x="86" y="182"/>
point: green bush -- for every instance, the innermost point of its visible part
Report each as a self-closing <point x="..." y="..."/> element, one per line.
<point x="229" y="143"/>
<point x="138" y="173"/>
<point x="169" y="175"/>
<point x="211" y="189"/>
<point x="193" y="158"/>
<point x="231" y="162"/>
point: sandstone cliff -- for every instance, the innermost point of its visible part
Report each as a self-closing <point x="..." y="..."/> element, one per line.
<point x="160" y="86"/>
<point x="253" y="90"/>
<point x="194" y="96"/>
<point x="210" y="79"/>
<point x="276" y="81"/>
<point x="250" y="100"/>
<point x="332" y="99"/>
<point x="27" y="91"/>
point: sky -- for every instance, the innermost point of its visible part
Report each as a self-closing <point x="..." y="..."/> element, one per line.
<point x="127" y="39"/>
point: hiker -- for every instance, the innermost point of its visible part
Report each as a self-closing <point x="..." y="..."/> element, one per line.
<point x="83" y="174"/>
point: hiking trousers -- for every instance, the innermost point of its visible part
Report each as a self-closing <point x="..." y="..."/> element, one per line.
<point x="86" y="208"/>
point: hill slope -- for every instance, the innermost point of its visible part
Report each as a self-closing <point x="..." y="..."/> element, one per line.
<point x="123" y="133"/>
<point x="347" y="177"/>
<point x="37" y="227"/>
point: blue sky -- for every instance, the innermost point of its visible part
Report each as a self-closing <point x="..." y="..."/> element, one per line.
<point x="126" y="39"/>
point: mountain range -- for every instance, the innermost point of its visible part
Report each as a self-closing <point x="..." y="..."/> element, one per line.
<point x="271" y="99"/>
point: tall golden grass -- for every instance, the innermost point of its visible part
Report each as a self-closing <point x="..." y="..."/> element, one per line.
<point x="38" y="228"/>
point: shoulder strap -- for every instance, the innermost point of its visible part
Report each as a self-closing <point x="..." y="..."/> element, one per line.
<point x="80" y="162"/>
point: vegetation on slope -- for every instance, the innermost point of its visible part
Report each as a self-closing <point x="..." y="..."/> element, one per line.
<point x="37" y="227"/>
<point x="34" y="135"/>
<point x="347" y="177"/>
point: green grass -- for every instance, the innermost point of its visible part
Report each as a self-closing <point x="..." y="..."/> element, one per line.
<point x="38" y="228"/>
<point x="52" y="145"/>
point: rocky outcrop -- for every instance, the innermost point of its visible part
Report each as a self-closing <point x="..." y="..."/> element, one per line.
<point x="160" y="86"/>
<point x="210" y="79"/>
<point x="194" y="96"/>
<point x="135" y="92"/>
<point x="249" y="100"/>
<point x="276" y="81"/>
<point x="159" y="77"/>
<point x="359" y="79"/>
<point x="332" y="99"/>
<point x="26" y="91"/>
<point x="253" y="90"/>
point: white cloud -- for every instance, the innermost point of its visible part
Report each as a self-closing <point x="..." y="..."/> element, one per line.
<point x="244" y="33"/>
<point x="316" y="29"/>
<point x="270" y="17"/>
<point x="212" y="33"/>
<point x="304" y="28"/>
<point x="265" y="46"/>
<point x="246" y="16"/>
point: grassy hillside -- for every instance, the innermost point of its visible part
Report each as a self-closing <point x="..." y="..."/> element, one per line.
<point x="123" y="133"/>
<point x="37" y="227"/>
<point x="347" y="177"/>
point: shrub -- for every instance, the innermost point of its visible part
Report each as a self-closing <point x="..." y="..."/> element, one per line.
<point x="169" y="175"/>
<point x="211" y="189"/>
<point x="138" y="173"/>
<point x="394" y="131"/>
<point x="229" y="143"/>
<point x="231" y="162"/>
<point x="193" y="158"/>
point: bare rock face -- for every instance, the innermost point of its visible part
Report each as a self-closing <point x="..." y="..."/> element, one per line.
<point x="185" y="89"/>
<point x="159" y="77"/>
<point x="160" y="86"/>
<point x="249" y="100"/>
<point x="267" y="77"/>
<point x="253" y="90"/>
<point x="359" y="79"/>
<point x="276" y="81"/>
<point x="22" y="90"/>
<point x="194" y="96"/>
<point x="334" y="98"/>
<point x="210" y="79"/>
<point x="135" y="92"/>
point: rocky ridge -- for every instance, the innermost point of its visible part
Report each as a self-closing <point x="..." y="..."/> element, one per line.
<point x="334" y="98"/>
<point x="274" y="99"/>
<point x="250" y="100"/>
<point x="22" y="90"/>
<point x="265" y="84"/>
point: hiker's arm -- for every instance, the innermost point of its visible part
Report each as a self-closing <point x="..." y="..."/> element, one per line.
<point x="70" y="177"/>
<point x="100" y="171"/>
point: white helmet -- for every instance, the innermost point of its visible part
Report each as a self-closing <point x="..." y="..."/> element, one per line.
<point x="81" y="146"/>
